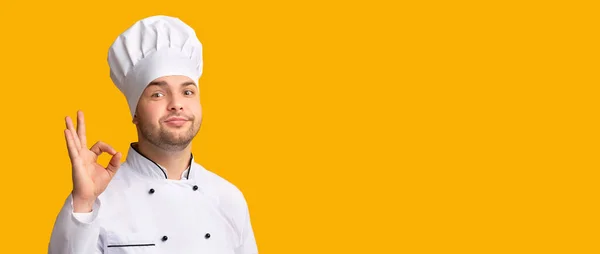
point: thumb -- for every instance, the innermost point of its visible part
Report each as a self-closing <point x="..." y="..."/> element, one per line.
<point x="114" y="164"/>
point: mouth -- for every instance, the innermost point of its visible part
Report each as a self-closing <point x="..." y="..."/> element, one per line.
<point x="172" y="119"/>
<point x="176" y="121"/>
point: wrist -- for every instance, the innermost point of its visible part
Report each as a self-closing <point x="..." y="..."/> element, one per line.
<point x="83" y="205"/>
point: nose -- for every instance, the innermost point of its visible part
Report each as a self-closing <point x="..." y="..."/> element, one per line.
<point x="175" y="104"/>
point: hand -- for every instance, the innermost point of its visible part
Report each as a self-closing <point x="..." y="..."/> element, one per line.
<point x="89" y="178"/>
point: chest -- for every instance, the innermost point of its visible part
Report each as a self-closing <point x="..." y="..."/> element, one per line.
<point x="165" y="217"/>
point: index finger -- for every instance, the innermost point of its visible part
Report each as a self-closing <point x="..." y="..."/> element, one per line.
<point x="101" y="147"/>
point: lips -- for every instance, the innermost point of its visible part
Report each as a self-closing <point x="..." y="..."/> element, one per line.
<point x="176" y="119"/>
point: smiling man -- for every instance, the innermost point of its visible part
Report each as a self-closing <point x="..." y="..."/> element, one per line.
<point x="159" y="200"/>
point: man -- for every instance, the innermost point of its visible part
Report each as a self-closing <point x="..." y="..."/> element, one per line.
<point x="159" y="200"/>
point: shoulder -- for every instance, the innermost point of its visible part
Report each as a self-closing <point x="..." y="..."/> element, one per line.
<point x="216" y="185"/>
<point x="230" y="199"/>
<point x="120" y="183"/>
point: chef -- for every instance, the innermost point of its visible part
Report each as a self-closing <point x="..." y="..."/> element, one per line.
<point x="160" y="200"/>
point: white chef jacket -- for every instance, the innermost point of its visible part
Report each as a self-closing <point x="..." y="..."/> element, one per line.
<point x="141" y="211"/>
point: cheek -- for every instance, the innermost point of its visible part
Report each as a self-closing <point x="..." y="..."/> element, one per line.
<point x="196" y="109"/>
<point x="149" y="113"/>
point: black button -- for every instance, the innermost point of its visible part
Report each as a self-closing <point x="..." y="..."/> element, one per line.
<point x="151" y="191"/>
<point x="165" y="238"/>
<point x="207" y="235"/>
<point x="195" y="187"/>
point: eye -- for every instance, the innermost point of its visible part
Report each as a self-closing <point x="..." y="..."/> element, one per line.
<point x="157" y="94"/>
<point x="188" y="92"/>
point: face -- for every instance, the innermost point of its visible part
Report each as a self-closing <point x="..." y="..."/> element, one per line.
<point x="169" y="113"/>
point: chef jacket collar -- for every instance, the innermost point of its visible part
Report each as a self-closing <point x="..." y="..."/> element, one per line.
<point x="149" y="168"/>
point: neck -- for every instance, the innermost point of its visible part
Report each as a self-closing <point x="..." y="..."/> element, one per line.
<point x="174" y="162"/>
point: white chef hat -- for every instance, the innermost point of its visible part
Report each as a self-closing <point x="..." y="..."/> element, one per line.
<point x="151" y="48"/>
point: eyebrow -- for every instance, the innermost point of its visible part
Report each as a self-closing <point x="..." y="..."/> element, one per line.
<point x="164" y="83"/>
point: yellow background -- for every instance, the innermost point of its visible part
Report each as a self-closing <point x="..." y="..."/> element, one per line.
<point x="350" y="126"/>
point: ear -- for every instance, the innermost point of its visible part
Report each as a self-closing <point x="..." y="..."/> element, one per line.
<point x="135" y="119"/>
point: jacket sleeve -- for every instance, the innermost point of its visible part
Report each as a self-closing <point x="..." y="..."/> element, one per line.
<point x="72" y="234"/>
<point x="247" y="239"/>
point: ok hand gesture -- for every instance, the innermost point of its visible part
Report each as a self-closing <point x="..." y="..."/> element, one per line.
<point x="89" y="178"/>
